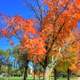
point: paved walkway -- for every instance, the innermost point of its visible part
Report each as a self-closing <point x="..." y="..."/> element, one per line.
<point x="78" y="78"/>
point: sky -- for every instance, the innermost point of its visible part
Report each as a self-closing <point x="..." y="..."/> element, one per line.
<point x="12" y="8"/>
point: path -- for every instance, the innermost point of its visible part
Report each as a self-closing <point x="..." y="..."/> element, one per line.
<point x="78" y="78"/>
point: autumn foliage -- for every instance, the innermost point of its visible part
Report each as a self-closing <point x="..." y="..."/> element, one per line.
<point x="62" y="17"/>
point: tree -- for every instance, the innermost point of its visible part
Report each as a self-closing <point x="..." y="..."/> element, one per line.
<point x="56" y="25"/>
<point x="59" y="20"/>
<point x="21" y="57"/>
<point x="69" y="55"/>
<point x="3" y="56"/>
<point x="77" y="43"/>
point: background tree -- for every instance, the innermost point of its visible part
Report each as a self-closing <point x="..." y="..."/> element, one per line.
<point x="3" y="56"/>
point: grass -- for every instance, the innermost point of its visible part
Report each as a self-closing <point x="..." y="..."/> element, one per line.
<point x="10" y="78"/>
<point x="30" y="78"/>
<point x="66" y="78"/>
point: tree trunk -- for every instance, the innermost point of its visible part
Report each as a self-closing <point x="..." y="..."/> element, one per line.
<point x="0" y="68"/>
<point x="25" y="73"/>
<point x="49" y="69"/>
<point x="34" y="75"/>
<point x="44" y="75"/>
<point x="39" y="75"/>
<point x="68" y="74"/>
<point x="55" y="74"/>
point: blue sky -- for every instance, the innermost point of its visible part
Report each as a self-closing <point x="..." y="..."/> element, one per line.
<point x="12" y="8"/>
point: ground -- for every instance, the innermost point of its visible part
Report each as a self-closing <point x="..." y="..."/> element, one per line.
<point x="78" y="78"/>
<point x="20" y="78"/>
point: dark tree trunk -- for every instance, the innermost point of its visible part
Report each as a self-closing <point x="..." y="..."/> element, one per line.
<point x="34" y="75"/>
<point x="55" y="74"/>
<point x="25" y="70"/>
<point x="25" y="73"/>
<point x="68" y="74"/>
<point x="44" y="75"/>
<point x="0" y="68"/>
<point x="39" y="75"/>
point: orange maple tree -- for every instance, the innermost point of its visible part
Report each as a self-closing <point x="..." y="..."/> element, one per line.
<point x="62" y="17"/>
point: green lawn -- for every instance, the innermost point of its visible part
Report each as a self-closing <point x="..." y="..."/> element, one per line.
<point x="10" y="78"/>
<point x="31" y="78"/>
<point x="20" y="78"/>
<point x="66" y="79"/>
